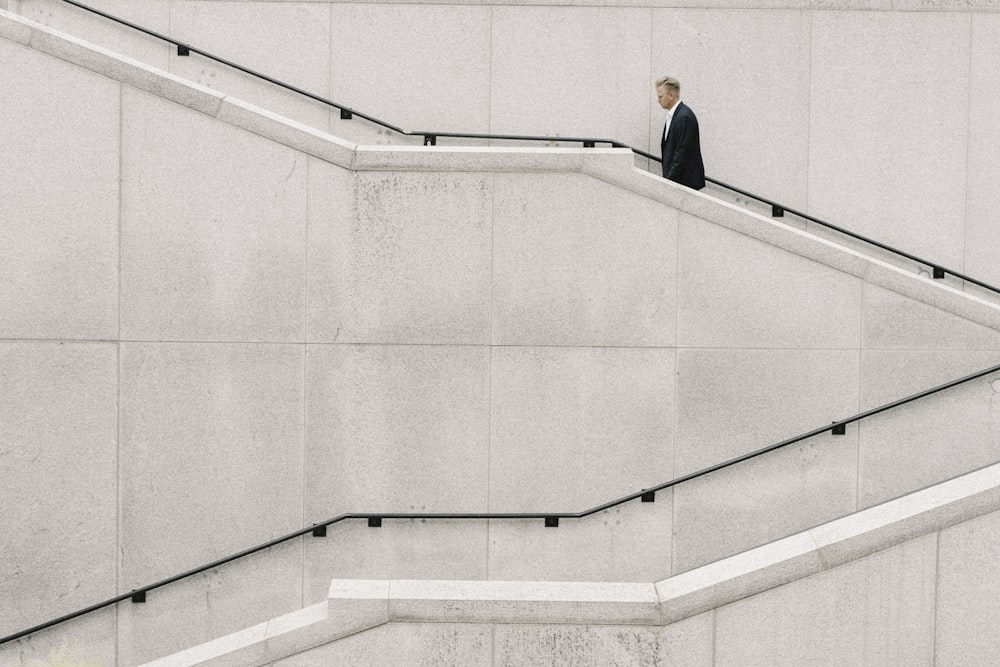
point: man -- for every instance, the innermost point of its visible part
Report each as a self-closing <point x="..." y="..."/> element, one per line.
<point x="680" y="145"/>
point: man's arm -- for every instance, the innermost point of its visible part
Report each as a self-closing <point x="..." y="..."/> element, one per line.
<point x="682" y="126"/>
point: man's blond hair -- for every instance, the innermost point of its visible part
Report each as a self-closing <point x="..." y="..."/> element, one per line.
<point x="670" y="83"/>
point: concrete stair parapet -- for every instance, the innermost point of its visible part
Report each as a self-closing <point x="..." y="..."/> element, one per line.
<point x="354" y="606"/>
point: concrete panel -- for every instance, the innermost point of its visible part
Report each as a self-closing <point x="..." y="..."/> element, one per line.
<point x="886" y="159"/>
<point x="59" y="236"/>
<point x="411" y="644"/>
<point x="968" y="598"/>
<point x="397" y="429"/>
<point x="932" y="439"/>
<point x="400" y="549"/>
<point x="686" y="643"/>
<point x="581" y="262"/>
<point x="213" y="229"/>
<point x="419" y="67"/>
<point x="58" y="450"/>
<point x="735" y="291"/>
<point x="560" y="415"/>
<point x="289" y="42"/>
<point x="630" y="542"/>
<point x="201" y="608"/>
<point x="875" y="611"/>
<point x="83" y="642"/>
<point x="211" y="455"/>
<point x="893" y="321"/>
<point x="571" y="71"/>
<point x="982" y="234"/>
<point x="730" y="402"/>
<point x="746" y="76"/>
<point x="151" y="14"/>
<point x="764" y="499"/>
<point x="399" y="257"/>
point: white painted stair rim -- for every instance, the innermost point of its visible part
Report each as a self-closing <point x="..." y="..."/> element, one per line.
<point x="357" y="605"/>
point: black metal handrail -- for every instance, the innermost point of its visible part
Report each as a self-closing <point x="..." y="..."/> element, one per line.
<point x="430" y="139"/>
<point x="551" y="519"/>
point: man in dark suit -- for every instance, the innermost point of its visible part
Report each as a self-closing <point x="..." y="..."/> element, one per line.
<point x="680" y="145"/>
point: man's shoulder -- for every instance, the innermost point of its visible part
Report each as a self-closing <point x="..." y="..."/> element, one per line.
<point x="684" y="109"/>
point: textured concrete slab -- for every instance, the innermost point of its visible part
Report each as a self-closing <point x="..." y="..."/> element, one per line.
<point x="982" y="237"/>
<point x="968" y="592"/>
<point x="404" y="644"/>
<point x="601" y="547"/>
<point x="59" y="237"/>
<point x="399" y="549"/>
<point x="58" y="451"/>
<point x="893" y="321"/>
<point x="397" y="429"/>
<point x="760" y="296"/>
<point x="540" y="54"/>
<point x="734" y="401"/>
<point x="419" y="67"/>
<point x="393" y="427"/>
<point x="878" y="610"/>
<point x="686" y="643"/>
<point x="560" y="414"/>
<point x="225" y="417"/>
<point x="905" y="449"/>
<point x="764" y="499"/>
<point x="213" y="229"/>
<point x="578" y="262"/>
<point x="399" y="257"/>
<point x="895" y="181"/>
<point x="87" y="640"/>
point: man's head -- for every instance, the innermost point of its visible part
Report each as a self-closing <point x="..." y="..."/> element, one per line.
<point x="668" y="91"/>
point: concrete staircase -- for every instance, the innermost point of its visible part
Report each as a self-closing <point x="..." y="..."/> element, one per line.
<point x="588" y="264"/>
<point x="866" y="589"/>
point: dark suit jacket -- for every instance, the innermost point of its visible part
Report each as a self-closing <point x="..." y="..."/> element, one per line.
<point x="681" y="150"/>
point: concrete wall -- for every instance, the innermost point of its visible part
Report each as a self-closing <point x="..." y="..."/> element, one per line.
<point x="211" y="338"/>
<point x="928" y="601"/>
<point x="877" y="611"/>
<point x="886" y="585"/>
<point x="874" y="114"/>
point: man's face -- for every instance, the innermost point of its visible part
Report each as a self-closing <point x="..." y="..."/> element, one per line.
<point x="666" y="97"/>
